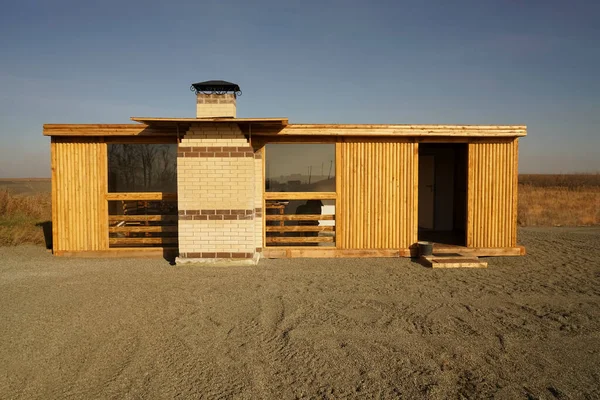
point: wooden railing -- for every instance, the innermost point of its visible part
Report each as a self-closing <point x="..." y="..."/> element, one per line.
<point x="296" y="229"/>
<point x="138" y="222"/>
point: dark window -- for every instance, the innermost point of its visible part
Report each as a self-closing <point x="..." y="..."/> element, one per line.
<point x="142" y="168"/>
<point x="302" y="167"/>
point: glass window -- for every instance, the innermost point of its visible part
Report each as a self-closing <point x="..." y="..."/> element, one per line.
<point x="306" y="167"/>
<point x="142" y="168"/>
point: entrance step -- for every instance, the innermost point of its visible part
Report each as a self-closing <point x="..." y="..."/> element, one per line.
<point x="452" y="261"/>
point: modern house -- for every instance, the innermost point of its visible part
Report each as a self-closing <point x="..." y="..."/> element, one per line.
<point x="221" y="187"/>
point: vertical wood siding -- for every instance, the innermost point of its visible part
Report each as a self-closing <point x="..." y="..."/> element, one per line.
<point x="377" y="195"/>
<point x="492" y="194"/>
<point x="79" y="184"/>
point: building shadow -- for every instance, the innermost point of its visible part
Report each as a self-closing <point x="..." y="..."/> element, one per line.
<point x="47" y="229"/>
<point x="170" y="254"/>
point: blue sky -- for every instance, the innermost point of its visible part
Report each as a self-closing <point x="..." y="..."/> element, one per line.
<point x="418" y="62"/>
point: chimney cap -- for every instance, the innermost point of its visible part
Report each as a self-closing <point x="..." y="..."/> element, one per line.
<point x="216" y="87"/>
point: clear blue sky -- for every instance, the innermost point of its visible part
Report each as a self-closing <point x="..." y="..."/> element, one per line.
<point x="533" y="62"/>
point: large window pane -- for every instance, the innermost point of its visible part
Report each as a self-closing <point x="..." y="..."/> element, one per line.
<point x="300" y="167"/>
<point x="142" y="168"/>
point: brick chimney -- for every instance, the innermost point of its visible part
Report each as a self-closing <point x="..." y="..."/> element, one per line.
<point x="216" y="99"/>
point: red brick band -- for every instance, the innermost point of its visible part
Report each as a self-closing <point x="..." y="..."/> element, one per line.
<point x="216" y="151"/>
<point x="204" y="215"/>
<point x="216" y="255"/>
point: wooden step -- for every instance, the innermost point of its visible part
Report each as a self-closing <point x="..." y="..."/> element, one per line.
<point x="452" y="261"/>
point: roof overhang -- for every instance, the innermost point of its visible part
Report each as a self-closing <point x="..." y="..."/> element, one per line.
<point x="279" y="127"/>
<point x="416" y="131"/>
<point x="150" y="126"/>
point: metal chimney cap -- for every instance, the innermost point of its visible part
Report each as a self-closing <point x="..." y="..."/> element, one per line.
<point x="216" y="87"/>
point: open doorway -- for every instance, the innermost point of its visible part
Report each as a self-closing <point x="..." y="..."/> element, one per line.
<point x="443" y="192"/>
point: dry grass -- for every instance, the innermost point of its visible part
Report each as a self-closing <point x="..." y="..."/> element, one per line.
<point x="558" y="206"/>
<point x="559" y="200"/>
<point x="22" y="217"/>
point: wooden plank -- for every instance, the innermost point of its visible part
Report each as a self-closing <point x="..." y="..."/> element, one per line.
<point x="400" y="130"/>
<point x="452" y="262"/>
<point x="479" y="251"/>
<point x="300" y="228"/>
<point x="320" y="252"/>
<point x="134" y="241"/>
<point x="81" y="131"/>
<point x="300" y="217"/>
<point x="118" y="218"/>
<point x="300" y="196"/>
<point x="142" y="196"/>
<point x="410" y="126"/>
<point x="300" y="239"/>
<point x="114" y="229"/>
<point x="124" y="252"/>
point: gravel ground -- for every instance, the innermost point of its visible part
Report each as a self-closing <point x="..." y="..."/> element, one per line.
<point x="526" y="327"/>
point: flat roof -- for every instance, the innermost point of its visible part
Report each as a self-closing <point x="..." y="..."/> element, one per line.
<point x="171" y="121"/>
<point x="279" y="127"/>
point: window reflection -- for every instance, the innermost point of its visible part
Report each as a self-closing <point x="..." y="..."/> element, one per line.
<point x="306" y="167"/>
<point x="142" y="168"/>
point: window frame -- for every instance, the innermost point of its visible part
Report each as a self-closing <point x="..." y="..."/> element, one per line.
<point x="334" y="195"/>
<point x="139" y="196"/>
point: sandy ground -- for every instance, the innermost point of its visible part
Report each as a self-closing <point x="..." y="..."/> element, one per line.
<point x="527" y="327"/>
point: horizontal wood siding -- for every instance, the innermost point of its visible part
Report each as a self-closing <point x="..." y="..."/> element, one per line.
<point x="377" y="194"/>
<point x="492" y="195"/>
<point x="79" y="184"/>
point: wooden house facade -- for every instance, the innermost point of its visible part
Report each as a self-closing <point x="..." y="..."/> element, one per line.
<point x="220" y="187"/>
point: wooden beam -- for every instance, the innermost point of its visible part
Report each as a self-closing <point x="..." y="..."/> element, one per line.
<point x="133" y="241"/>
<point x="300" y="228"/>
<point x="299" y="217"/>
<point x="278" y="127"/>
<point x="142" y="196"/>
<point x="125" y="252"/>
<point x="320" y="252"/>
<point x="479" y="251"/>
<point x="168" y="228"/>
<point x="106" y="130"/>
<point x="119" y="218"/>
<point x="452" y="262"/>
<point x="300" y="239"/>
<point x="300" y="195"/>
<point x="401" y="130"/>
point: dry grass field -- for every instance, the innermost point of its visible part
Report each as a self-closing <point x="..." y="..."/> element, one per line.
<point x="23" y="215"/>
<point x="559" y="200"/>
<point x="544" y="200"/>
